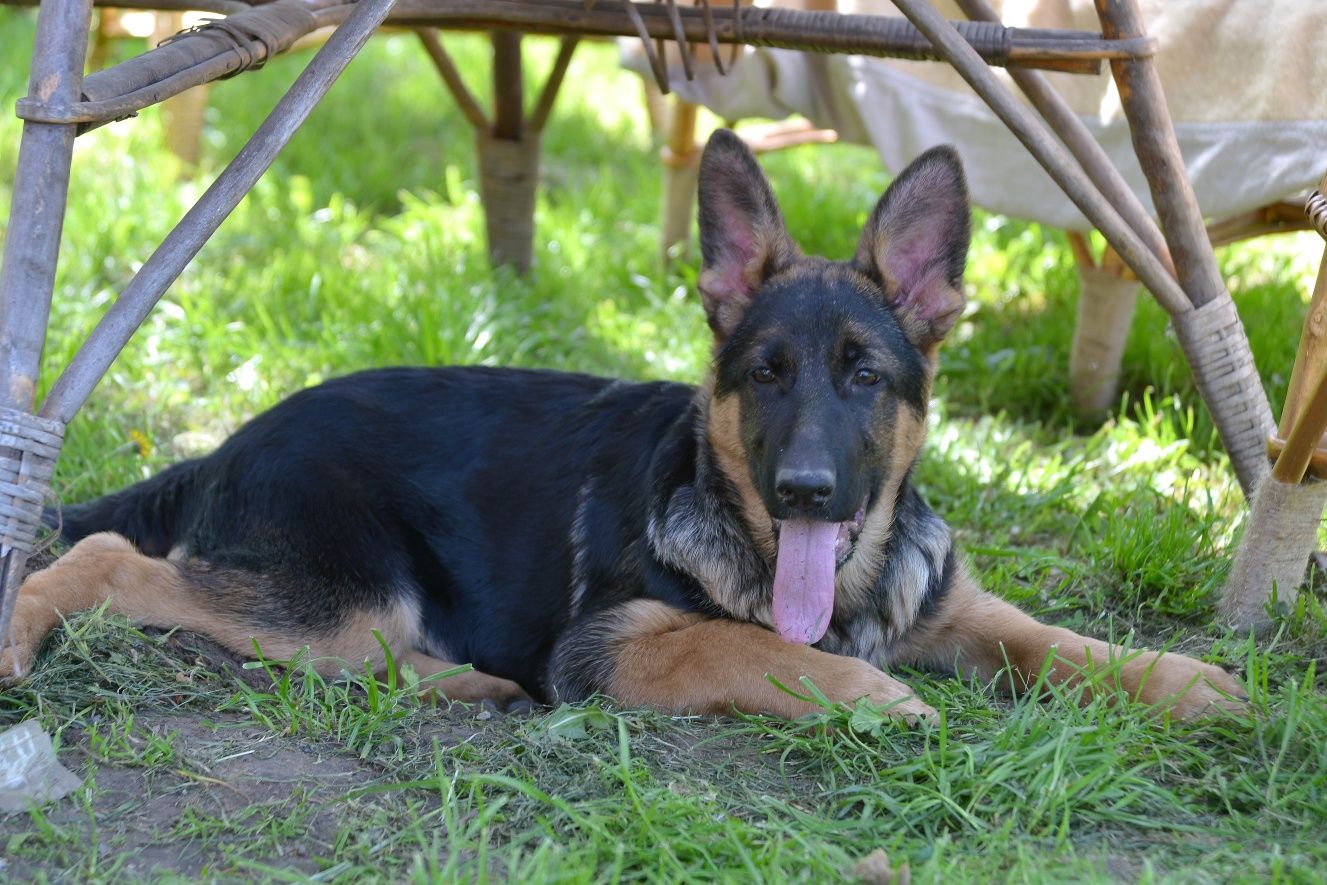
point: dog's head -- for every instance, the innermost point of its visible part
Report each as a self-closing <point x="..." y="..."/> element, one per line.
<point x="823" y="369"/>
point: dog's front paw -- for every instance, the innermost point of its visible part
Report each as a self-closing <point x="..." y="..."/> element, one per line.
<point x="882" y="690"/>
<point x="1188" y="689"/>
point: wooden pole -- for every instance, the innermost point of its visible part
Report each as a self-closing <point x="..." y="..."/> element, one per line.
<point x="508" y="86"/>
<point x="1053" y="157"/>
<point x="681" y="162"/>
<point x="27" y="281"/>
<point x="183" y="242"/>
<point x="1210" y="333"/>
<point x="508" y="158"/>
<point x="1311" y="357"/>
<point x="1081" y="143"/>
<point x="451" y="77"/>
<point x="543" y="106"/>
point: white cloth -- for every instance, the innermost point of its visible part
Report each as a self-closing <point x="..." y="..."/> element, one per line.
<point x="1245" y="80"/>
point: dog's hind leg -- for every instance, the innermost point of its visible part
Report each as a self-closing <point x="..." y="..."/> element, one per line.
<point x="645" y="653"/>
<point x="106" y="568"/>
<point x="90" y="573"/>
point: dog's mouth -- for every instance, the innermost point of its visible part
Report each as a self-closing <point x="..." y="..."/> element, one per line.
<point x="810" y="552"/>
<point x="846" y="539"/>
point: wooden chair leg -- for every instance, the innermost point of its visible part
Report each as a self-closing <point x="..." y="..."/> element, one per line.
<point x="29" y="446"/>
<point x="1282" y="527"/>
<point x="681" y="161"/>
<point x="1310" y="365"/>
<point x="507" y="144"/>
<point x="656" y="107"/>
<point x="1209" y="330"/>
<point x="1106" y="302"/>
<point x="182" y="116"/>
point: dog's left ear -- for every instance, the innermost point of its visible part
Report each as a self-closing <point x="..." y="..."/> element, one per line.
<point x="916" y="244"/>
<point x="743" y="240"/>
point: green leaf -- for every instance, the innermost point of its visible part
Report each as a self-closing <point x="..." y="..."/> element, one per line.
<point x="576" y="723"/>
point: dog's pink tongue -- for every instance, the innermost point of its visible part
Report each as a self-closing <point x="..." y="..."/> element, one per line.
<point x="804" y="579"/>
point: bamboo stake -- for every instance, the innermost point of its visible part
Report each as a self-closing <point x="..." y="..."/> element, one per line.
<point x="681" y="162"/>
<point x="548" y="95"/>
<point x="465" y="99"/>
<point x="31" y="251"/>
<point x="141" y="294"/>
<point x="1081" y="143"/>
<point x="1053" y="156"/>
<point x="1311" y="357"/>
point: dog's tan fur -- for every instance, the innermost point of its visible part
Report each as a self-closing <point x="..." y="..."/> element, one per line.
<point x="723" y="428"/>
<point x="105" y="568"/>
<point x="982" y="635"/>
<point x="692" y="664"/>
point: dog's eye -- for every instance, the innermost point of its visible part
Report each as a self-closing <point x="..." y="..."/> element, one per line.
<point x="762" y="375"/>
<point x="866" y="376"/>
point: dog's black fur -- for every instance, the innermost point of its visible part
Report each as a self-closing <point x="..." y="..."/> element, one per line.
<point x="458" y="485"/>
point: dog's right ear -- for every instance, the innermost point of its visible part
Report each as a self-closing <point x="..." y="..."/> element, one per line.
<point x="743" y="240"/>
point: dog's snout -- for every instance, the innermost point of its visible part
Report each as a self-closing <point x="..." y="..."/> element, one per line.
<point x="804" y="489"/>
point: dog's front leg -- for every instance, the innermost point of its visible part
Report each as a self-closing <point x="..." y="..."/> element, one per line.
<point x="645" y="653"/>
<point x="987" y="636"/>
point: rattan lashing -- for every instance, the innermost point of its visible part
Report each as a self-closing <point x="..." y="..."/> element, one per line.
<point x="29" y="447"/>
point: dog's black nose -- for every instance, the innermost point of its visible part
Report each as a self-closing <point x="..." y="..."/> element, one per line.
<point x="804" y="489"/>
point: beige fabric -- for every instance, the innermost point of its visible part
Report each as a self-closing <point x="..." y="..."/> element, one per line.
<point x="1220" y="60"/>
<point x="1246" y="81"/>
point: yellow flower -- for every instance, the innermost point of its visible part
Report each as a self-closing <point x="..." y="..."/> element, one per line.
<point x="139" y="438"/>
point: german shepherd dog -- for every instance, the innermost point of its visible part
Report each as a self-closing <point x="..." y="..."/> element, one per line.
<point x="663" y="545"/>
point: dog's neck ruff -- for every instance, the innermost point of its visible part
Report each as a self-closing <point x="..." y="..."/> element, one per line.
<point x="697" y="528"/>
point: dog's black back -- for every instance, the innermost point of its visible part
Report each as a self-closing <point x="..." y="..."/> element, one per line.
<point x="457" y="484"/>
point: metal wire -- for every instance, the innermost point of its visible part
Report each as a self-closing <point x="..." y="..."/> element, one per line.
<point x="683" y="47"/>
<point x="656" y="63"/>
<point x="713" y="37"/>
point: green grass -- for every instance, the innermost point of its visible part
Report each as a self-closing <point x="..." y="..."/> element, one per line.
<point x="364" y="247"/>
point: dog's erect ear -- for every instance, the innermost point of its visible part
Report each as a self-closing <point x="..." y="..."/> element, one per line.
<point x="742" y="237"/>
<point x="916" y="243"/>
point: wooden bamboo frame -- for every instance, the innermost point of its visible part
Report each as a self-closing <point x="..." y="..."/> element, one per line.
<point x="508" y="141"/>
<point x="124" y="317"/>
<point x="32" y="244"/>
<point x="1276" y="218"/>
<point x="1107" y="300"/>
<point x="1082" y="144"/>
<point x="1281" y="531"/>
<point x="1218" y="352"/>
<point x="203" y="57"/>
<point x="681" y="162"/>
<point x="1304" y="416"/>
